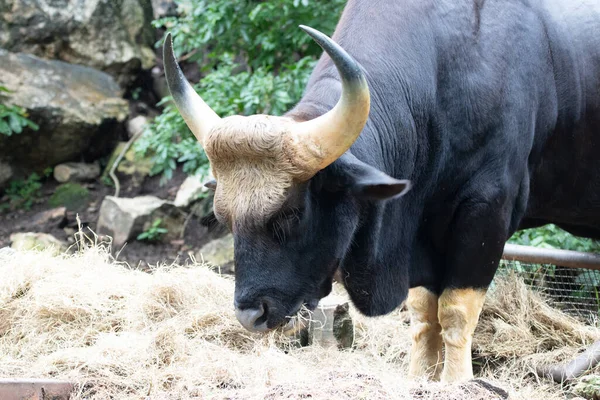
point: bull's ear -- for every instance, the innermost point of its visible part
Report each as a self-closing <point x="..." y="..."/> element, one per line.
<point x="368" y="182"/>
<point x="382" y="187"/>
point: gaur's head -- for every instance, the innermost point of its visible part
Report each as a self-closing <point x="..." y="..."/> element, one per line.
<point x="288" y="190"/>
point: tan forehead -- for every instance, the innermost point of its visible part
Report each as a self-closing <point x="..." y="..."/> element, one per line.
<point x="252" y="168"/>
<point x="256" y="136"/>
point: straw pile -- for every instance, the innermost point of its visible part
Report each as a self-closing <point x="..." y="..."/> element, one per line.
<point x="119" y="333"/>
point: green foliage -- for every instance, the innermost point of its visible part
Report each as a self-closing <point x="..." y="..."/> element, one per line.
<point x="22" y="193"/>
<point x="154" y="232"/>
<point x="70" y="195"/>
<point x="135" y="93"/>
<point x="254" y="59"/>
<point x="551" y="236"/>
<point x="13" y="118"/>
<point x="588" y="387"/>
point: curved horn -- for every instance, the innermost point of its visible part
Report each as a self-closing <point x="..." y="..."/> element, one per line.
<point x="321" y="141"/>
<point x="198" y="116"/>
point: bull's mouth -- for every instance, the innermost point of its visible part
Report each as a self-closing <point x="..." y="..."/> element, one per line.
<point x="271" y="317"/>
<point x="300" y="318"/>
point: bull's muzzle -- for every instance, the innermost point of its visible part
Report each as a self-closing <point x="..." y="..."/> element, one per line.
<point x="253" y="319"/>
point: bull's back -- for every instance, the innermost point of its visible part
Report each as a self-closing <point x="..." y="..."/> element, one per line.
<point x="565" y="184"/>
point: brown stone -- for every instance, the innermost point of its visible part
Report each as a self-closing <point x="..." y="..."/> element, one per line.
<point x="34" y="389"/>
<point x="53" y="216"/>
<point x="36" y="241"/>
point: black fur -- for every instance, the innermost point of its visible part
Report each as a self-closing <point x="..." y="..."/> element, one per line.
<point x="492" y="110"/>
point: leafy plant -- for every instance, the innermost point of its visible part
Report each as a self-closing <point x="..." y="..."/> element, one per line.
<point x="13" y="118"/>
<point x="135" y="93"/>
<point x="551" y="236"/>
<point x="22" y="193"/>
<point x="254" y="59"/>
<point x="154" y="232"/>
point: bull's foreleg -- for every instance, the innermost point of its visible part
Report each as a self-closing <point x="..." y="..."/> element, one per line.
<point x="478" y="233"/>
<point x="426" y="349"/>
<point x="458" y="314"/>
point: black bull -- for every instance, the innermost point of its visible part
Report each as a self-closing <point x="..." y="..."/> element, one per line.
<point x="492" y="110"/>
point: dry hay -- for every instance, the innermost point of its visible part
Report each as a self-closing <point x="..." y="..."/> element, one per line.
<point x="125" y="334"/>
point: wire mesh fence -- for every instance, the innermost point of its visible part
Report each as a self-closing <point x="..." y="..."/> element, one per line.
<point x="572" y="290"/>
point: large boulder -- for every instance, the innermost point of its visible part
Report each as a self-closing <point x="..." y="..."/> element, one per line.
<point x="124" y="218"/>
<point x="114" y="36"/>
<point x="79" y="111"/>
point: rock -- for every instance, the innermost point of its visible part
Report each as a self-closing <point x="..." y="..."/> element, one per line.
<point x="69" y="232"/>
<point x="53" y="217"/>
<point x="191" y="189"/>
<point x="114" y="36"/>
<point x="6" y="173"/>
<point x="136" y="125"/>
<point x="78" y="109"/>
<point x="37" y="241"/>
<point x="219" y="252"/>
<point x="331" y="324"/>
<point x="164" y="8"/>
<point x="70" y="195"/>
<point x="124" y="218"/>
<point x="159" y="83"/>
<point x="76" y="172"/>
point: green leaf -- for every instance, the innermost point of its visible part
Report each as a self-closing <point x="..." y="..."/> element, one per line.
<point x="15" y="123"/>
<point x="588" y="278"/>
<point x="5" y="128"/>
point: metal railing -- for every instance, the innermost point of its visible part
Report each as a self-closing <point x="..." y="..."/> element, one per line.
<point x="570" y="279"/>
<point x="564" y="258"/>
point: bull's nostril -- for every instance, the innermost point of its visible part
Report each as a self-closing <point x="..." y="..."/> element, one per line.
<point x="253" y="319"/>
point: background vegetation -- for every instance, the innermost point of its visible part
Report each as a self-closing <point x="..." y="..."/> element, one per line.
<point x="253" y="58"/>
<point x="551" y="236"/>
<point x="12" y="118"/>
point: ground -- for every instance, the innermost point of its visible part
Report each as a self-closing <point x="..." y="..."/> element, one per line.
<point x="171" y="334"/>
<point x="136" y="253"/>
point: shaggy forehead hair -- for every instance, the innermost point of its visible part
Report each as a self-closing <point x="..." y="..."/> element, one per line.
<point x="255" y="165"/>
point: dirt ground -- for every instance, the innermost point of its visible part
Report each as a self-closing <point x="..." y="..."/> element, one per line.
<point x="135" y="253"/>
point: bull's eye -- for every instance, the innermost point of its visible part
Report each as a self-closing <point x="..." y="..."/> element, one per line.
<point x="283" y="223"/>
